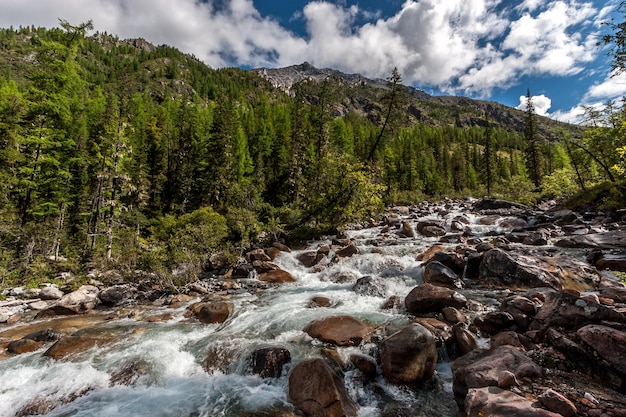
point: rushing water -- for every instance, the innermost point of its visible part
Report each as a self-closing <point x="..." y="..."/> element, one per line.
<point x="170" y="376"/>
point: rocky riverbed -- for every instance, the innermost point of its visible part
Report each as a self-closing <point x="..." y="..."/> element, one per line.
<point x="452" y="308"/>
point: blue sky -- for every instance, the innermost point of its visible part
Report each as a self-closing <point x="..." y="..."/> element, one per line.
<point x="488" y="49"/>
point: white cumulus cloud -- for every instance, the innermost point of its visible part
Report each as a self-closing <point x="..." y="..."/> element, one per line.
<point x="541" y="104"/>
<point x="458" y="46"/>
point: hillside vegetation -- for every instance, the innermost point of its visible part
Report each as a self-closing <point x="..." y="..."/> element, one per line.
<point x="119" y="154"/>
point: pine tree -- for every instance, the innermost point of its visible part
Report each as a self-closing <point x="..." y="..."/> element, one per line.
<point x="533" y="150"/>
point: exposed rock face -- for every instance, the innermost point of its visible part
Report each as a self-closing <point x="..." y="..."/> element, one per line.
<point x="500" y="367"/>
<point x="496" y="402"/>
<point x="317" y="390"/>
<point x="339" y="330"/>
<point x="608" y="342"/>
<point x="429" y="298"/>
<point x="409" y="356"/>
<point x="269" y="362"/>
<point x="277" y="276"/>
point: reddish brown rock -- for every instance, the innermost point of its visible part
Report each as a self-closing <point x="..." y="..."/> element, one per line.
<point x="23" y="346"/>
<point x="465" y="340"/>
<point x="453" y="315"/>
<point x="318" y="391"/>
<point x="494" y="322"/>
<point x="572" y="312"/>
<point x="310" y="258"/>
<point x="258" y="255"/>
<point x="608" y="342"/>
<point x="409" y="355"/>
<point x="213" y="312"/>
<point x="347" y="251"/>
<point x="71" y="345"/>
<point x="319" y="301"/>
<point x="406" y="230"/>
<point x="339" y="330"/>
<point x="269" y="362"/>
<point x="500" y="367"/>
<point x="431" y="228"/>
<point x="427" y="298"/>
<point x="555" y="402"/>
<point x="365" y="364"/>
<point x="496" y="402"/>
<point x="277" y="277"/>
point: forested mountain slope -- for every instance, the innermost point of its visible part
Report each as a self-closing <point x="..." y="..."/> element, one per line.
<point x="121" y="152"/>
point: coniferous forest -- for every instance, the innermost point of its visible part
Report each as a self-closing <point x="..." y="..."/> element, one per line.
<point x="116" y="154"/>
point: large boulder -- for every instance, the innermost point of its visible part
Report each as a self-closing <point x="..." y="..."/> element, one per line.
<point x="431" y="228"/>
<point x="409" y="355"/>
<point x="318" y="391"/>
<point x="501" y="367"/>
<point x="118" y="295"/>
<point x="370" y="286"/>
<point x="23" y="346"/>
<point x="339" y="330"/>
<point x="496" y="402"/>
<point x="277" y="276"/>
<point x="213" y="312"/>
<point x="72" y="345"/>
<point x="438" y="274"/>
<point x="50" y="292"/>
<point x="268" y="362"/>
<point x="572" y="312"/>
<point x="82" y="300"/>
<point x="310" y="258"/>
<point x="515" y="271"/>
<point x="608" y="342"/>
<point x="426" y="298"/>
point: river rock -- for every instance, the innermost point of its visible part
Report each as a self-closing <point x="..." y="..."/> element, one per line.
<point x="494" y="322"/>
<point x="118" y="295"/>
<point x="427" y="298"/>
<point x="572" y="312"/>
<point x="452" y="261"/>
<point x="370" y="286"/>
<point x="71" y="345"/>
<point x="347" y="251"/>
<point x="258" y="255"/>
<point x="23" y="346"/>
<point x="82" y="300"/>
<point x="501" y="367"/>
<point x="437" y="273"/>
<point x="452" y="315"/>
<point x="406" y="230"/>
<point x="496" y="204"/>
<point x="409" y="355"/>
<point x="465" y="340"/>
<point x="608" y="342"/>
<point x="318" y="391"/>
<point x="496" y="402"/>
<point x="555" y="402"/>
<point x="430" y="252"/>
<point x="365" y="364"/>
<point x="264" y="266"/>
<point x="277" y="276"/>
<point x="44" y="335"/>
<point x="268" y="362"/>
<point x="319" y="301"/>
<point x="339" y="330"/>
<point x="50" y="293"/>
<point x="55" y="311"/>
<point x="310" y="258"/>
<point x="503" y="269"/>
<point x="213" y="312"/>
<point x="431" y="228"/>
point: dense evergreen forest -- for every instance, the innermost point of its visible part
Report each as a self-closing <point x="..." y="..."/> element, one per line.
<point x="122" y="155"/>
